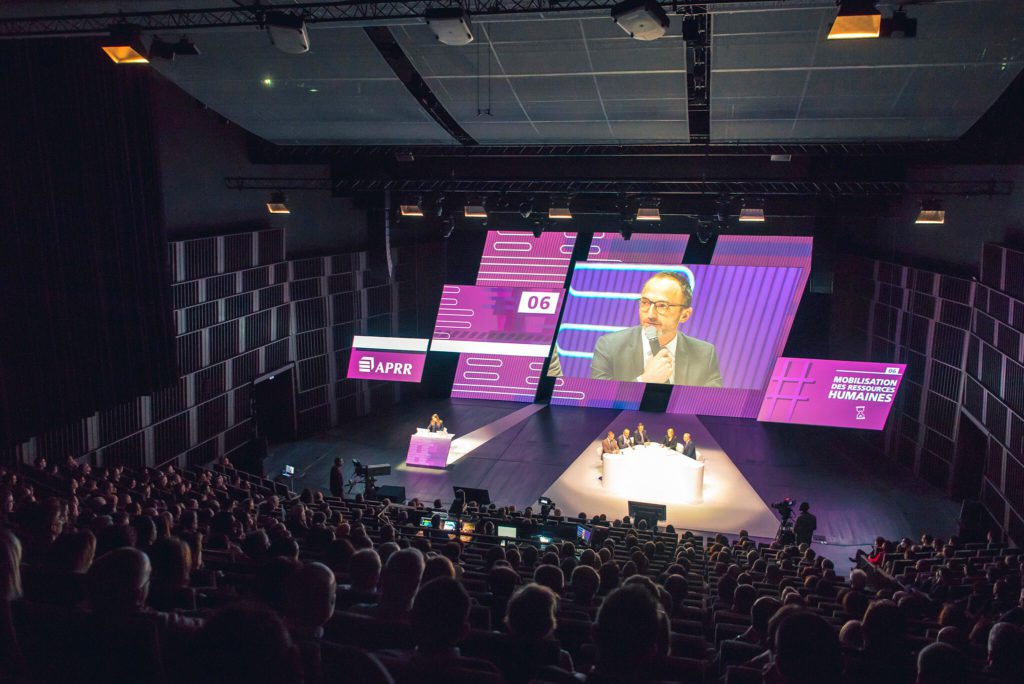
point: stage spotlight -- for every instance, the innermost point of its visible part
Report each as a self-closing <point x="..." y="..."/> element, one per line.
<point x="124" y="45"/>
<point x="474" y="208"/>
<point x="160" y="49"/>
<point x="559" y="208"/>
<point x="447" y="227"/>
<point x="931" y="213"/>
<point x="626" y="233"/>
<point x="538" y="230"/>
<point x="411" y="207"/>
<point x="287" y="32"/>
<point x="641" y="19"/>
<point x="450" y="25"/>
<point x="648" y="209"/>
<point x="856" y="19"/>
<point x="278" y="203"/>
<point x="752" y="211"/>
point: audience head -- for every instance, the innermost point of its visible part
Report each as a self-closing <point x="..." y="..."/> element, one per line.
<point x="309" y="595"/>
<point x="364" y="570"/>
<point x="437" y="566"/>
<point x="550" y="576"/>
<point x="440" y="615"/>
<point x="627" y="630"/>
<point x="502" y="581"/>
<point x="1005" y="649"/>
<point x="118" y="582"/>
<point x="585" y="582"/>
<point x="73" y="552"/>
<point x="245" y="642"/>
<point x="531" y="612"/>
<point x="172" y="562"/>
<point x="884" y="628"/>
<point x="401" y="577"/>
<point x="851" y="635"/>
<point x="10" y="566"/>
<point x="761" y="612"/>
<point x="940" y="663"/>
<point x="807" y="650"/>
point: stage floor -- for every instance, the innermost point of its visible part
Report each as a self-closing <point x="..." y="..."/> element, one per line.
<point x="553" y="451"/>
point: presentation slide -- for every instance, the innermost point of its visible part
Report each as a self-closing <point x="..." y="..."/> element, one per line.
<point x="387" y="358"/>
<point x="853" y="394"/>
<point x="511" y="321"/>
<point x="699" y="325"/>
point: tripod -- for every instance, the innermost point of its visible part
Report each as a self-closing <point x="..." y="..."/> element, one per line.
<point x="369" y="483"/>
<point x="785" y="535"/>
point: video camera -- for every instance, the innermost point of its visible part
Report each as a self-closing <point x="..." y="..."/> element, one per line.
<point x="785" y="509"/>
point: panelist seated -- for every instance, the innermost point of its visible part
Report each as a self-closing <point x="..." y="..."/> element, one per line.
<point x="671" y="441"/>
<point x="641" y="436"/>
<point x="689" y="448"/>
<point x="610" y="445"/>
<point x="436" y="424"/>
<point x="626" y="440"/>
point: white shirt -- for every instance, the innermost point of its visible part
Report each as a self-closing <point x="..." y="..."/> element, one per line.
<point x="646" y="346"/>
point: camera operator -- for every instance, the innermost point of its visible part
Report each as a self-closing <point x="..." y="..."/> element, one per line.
<point x="805" y="524"/>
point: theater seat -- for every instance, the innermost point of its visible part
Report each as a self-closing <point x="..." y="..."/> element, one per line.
<point x="366" y="632"/>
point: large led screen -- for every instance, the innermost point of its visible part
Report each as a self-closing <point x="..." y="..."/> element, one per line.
<point x="699" y="325"/>
<point x="515" y="321"/>
<point x="853" y="394"/>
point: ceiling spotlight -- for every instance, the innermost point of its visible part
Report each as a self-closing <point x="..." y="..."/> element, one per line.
<point x="124" y="45"/>
<point x="752" y="211"/>
<point x="782" y="157"/>
<point x="287" y="32"/>
<point x="559" y="208"/>
<point x="641" y="19"/>
<point x="856" y="19"/>
<point x="450" y="25"/>
<point x="161" y="49"/>
<point x="648" y="209"/>
<point x="931" y="213"/>
<point x="447" y="228"/>
<point x="278" y="203"/>
<point x="412" y="206"/>
<point x="474" y="208"/>
<point x="538" y="230"/>
<point x="626" y="233"/>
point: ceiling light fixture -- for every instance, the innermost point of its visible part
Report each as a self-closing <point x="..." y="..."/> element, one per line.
<point x="474" y="208"/>
<point x="626" y="233"/>
<point x="648" y="209"/>
<point x="450" y="25"/>
<point x="124" y="45"/>
<point x="538" y="230"/>
<point x="287" y="32"/>
<point x="526" y="208"/>
<point x="278" y="203"/>
<point x="856" y="19"/>
<point x="161" y="49"/>
<point x="641" y="19"/>
<point x="411" y="207"/>
<point x="931" y="213"/>
<point x="559" y="208"/>
<point x="752" y="211"/>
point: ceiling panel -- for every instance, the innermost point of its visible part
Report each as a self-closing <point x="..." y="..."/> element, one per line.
<point x="342" y="90"/>
<point x="772" y="63"/>
<point x="571" y="79"/>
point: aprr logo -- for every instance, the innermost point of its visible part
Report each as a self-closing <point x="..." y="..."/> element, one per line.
<point x="366" y="364"/>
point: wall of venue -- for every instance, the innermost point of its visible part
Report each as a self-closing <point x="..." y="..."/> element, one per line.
<point x="962" y="341"/>
<point x="242" y="309"/>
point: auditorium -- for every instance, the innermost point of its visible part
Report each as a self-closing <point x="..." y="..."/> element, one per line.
<point x="512" y="341"/>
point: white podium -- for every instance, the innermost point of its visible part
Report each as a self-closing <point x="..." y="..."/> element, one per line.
<point x="654" y="473"/>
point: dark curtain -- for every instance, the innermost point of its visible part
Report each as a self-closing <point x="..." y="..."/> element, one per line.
<point x="85" y="316"/>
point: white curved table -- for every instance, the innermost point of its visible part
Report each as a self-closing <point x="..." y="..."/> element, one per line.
<point x="654" y="473"/>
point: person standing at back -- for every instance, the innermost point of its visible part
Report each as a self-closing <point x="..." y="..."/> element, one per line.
<point x="805" y="524"/>
<point x="337" y="484"/>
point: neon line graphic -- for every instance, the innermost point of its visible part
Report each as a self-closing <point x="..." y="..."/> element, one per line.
<point x="574" y="354"/>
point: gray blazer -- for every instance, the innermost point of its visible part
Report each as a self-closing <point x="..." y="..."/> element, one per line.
<point x="619" y="356"/>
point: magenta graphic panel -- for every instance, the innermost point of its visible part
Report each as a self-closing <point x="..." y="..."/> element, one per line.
<point x="386" y="365"/>
<point x="428" y="452"/>
<point x="513" y="259"/>
<point x="491" y="314"/>
<point x="748" y="250"/>
<point x="853" y="394"/>
<point x="597" y="393"/>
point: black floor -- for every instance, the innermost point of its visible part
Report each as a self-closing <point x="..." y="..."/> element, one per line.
<point x="854" y="496"/>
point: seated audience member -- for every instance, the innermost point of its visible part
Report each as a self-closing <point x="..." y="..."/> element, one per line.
<point x="12" y="666"/>
<point x="940" y="663"/>
<point x="1005" y="653"/>
<point x="585" y="582"/>
<point x="364" y="574"/>
<point x="627" y="634"/>
<point x="760" y="613"/>
<point x="440" y="621"/>
<point x="398" y="584"/>
<point x="61" y="578"/>
<point x="309" y="599"/>
<point x="245" y="642"/>
<point x="172" y="568"/>
<point x="886" y="657"/>
<point x="550" y="576"/>
<point x="851" y="635"/>
<point x="437" y="566"/>
<point x="530" y="621"/>
<point x="806" y="650"/>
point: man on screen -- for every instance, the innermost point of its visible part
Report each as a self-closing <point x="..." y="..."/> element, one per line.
<point x="655" y="350"/>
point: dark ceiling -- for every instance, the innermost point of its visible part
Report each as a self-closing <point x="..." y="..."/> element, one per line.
<point x="575" y="77"/>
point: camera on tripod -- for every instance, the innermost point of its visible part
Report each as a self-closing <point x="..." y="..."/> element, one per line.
<point x="367" y="476"/>
<point x="785" y="534"/>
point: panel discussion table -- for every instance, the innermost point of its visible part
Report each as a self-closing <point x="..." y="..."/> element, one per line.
<point x="653" y="472"/>
<point x="429" y="449"/>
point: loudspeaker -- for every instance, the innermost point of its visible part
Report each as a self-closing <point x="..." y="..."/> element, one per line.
<point x="393" y="492"/>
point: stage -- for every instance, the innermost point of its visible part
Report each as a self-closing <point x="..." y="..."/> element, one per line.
<point x="522" y="451"/>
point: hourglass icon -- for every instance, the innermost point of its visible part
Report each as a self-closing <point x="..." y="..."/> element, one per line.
<point x="860" y="412"/>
